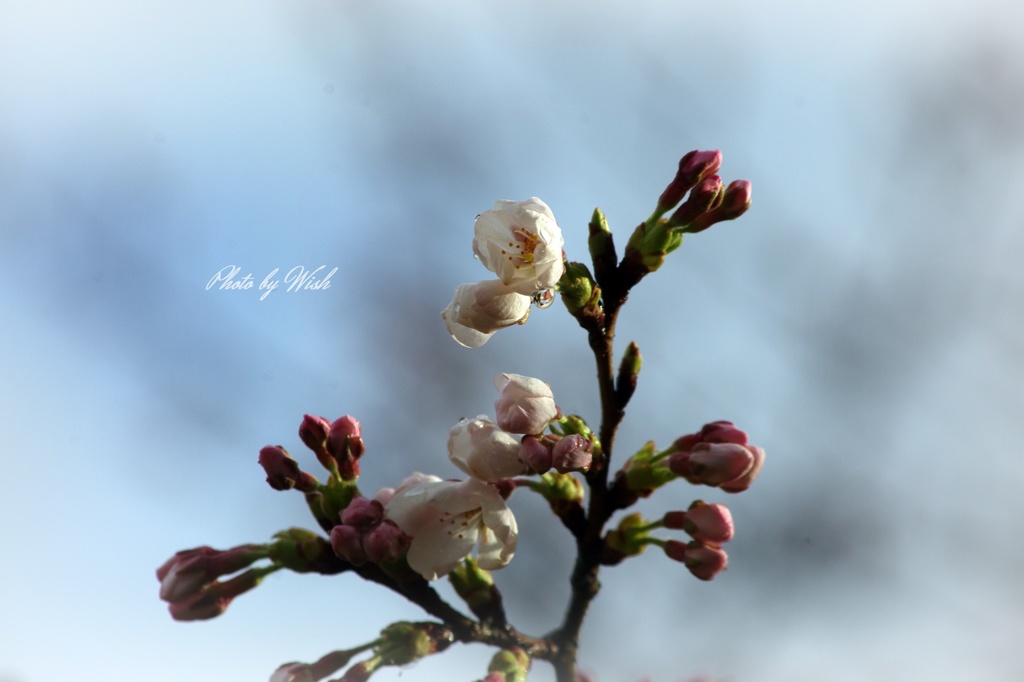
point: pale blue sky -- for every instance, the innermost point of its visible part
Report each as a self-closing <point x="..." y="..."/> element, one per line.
<point x="862" y="322"/>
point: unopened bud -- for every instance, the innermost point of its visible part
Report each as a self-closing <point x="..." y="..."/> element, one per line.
<point x="313" y="432"/>
<point x="386" y="542"/>
<point x="704" y="197"/>
<point x="215" y="598"/>
<point x="572" y="453"/>
<point x="629" y="373"/>
<point x="712" y="463"/>
<point x="536" y="454"/>
<point x="345" y="446"/>
<point x="405" y="642"/>
<point x="709" y="523"/>
<point x="734" y="204"/>
<point x="362" y="512"/>
<point x="602" y="248"/>
<point x="283" y="472"/>
<point x="509" y="665"/>
<point x="693" y="168"/>
<point x="580" y="292"/>
<point x="703" y="561"/>
<point x="743" y="482"/>
<point x="347" y="543"/>
<point x="188" y="572"/>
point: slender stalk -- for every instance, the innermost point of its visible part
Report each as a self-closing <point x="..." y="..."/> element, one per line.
<point x="584" y="580"/>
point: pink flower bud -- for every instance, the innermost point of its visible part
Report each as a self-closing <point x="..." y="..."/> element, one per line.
<point x="214" y="600"/>
<point x="712" y="463"/>
<point x="362" y="512"/>
<point x="734" y="204"/>
<point x="282" y="471"/>
<point x="386" y="542"/>
<point x="703" y="561"/>
<point x="694" y="167"/>
<point x="572" y="453"/>
<point x="536" y="454"/>
<point x="526" y="405"/>
<point x="709" y="523"/>
<point x="744" y="481"/>
<point x="188" y="572"/>
<point x="722" y="432"/>
<point x="347" y="543"/>
<point x="345" y="446"/>
<point x="313" y="432"/>
<point x="715" y="432"/>
<point x="294" y="672"/>
<point x="703" y="197"/>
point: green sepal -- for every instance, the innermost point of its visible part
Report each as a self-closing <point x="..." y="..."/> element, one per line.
<point x="335" y="496"/>
<point x="302" y="551"/>
<point x="643" y="474"/>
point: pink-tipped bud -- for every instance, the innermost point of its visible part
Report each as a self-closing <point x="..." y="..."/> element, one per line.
<point x="536" y="454"/>
<point x="283" y="472"/>
<point x="313" y="432"/>
<point x="362" y="512"/>
<point x="734" y="204"/>
<point x="345" y="446"/>
<point x="704" y="197"/>
<point x="712" y="463"/>
<point x="744" y="481"/>
<point x="693" y="168"/>
<point x="703" y="561"/>
<point x="347" y="543"/>
<point x="214" y="600"/>
<point x="189" y="571"/>
<point x="714" y="432"/>
<point x="386" y="542"/>
<point x="572" y="453"/>
<point x="709" y="523"/>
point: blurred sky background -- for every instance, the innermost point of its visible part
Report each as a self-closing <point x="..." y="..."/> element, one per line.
<point x="863" y="321"/>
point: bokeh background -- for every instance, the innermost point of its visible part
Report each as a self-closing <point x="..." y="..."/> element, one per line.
<point x="862" y="321"/>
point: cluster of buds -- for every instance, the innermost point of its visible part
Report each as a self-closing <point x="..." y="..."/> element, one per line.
<point x="338" y="445"/>
<point x="718" y="455"/>
<point x="364" y="534"/>
<point x="189" y="579"/>
<point x="709" y="202"/>
<point x="709" y="525"/>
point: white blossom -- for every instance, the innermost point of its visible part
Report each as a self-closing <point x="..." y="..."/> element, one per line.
<point x="478" y="310"/>
<point x="521" y="243"/>
<point x="446" y="519"/>
<point x="525" y="405"/>
<point x="484" y="451"/>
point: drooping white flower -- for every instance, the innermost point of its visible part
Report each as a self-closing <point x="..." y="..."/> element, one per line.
<point x="478" y="310"/>
<point x="521" y="243"/>
<point x="484" y="451"/>
<point x="525" y="405"/>
<point x="446" y="519"/>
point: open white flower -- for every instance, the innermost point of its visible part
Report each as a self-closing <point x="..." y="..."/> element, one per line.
<point x="484" y="451"/>
<point x="526" y="405"/>
<point x="446" y="519"/>
<point x="478" y="310"/>
<point x="521" y="243"/>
